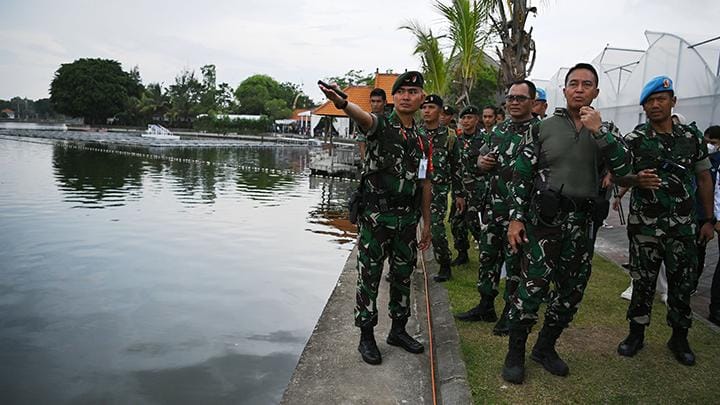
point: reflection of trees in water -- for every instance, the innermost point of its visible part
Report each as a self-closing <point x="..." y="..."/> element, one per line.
<point x="197" y="173"/>
<point x="332" y="208"/>
<point x="96" y="176"/>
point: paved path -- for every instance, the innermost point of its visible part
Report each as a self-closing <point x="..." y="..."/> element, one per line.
<point x="613" y="244"/>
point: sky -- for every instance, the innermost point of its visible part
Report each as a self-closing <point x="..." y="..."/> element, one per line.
<point x="298" y="41"/>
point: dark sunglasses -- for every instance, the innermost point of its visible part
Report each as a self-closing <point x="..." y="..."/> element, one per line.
<point x="510" y="98"/>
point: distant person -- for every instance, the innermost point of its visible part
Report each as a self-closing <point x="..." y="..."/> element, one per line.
<point x="712" y="137"/>
<point x="669" y="159"/>
<point x="378" y="101"/>
<point x="540" y="106"/>
<point x="447" y="176"/>
<point x="500" y="114"/>
<point x="489" y="118"/>
<point x="396" y="192"/>
<point x="447" y="117"/>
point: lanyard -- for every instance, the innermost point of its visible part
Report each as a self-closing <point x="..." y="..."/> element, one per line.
<point x="405" y="137"/>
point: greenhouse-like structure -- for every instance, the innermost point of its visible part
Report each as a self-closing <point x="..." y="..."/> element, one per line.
<point x="693" y="64"/>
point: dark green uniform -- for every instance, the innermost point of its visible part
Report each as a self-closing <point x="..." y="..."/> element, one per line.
<point x="662" y="223"/>
<point x="504" y="143"/>
<point x="474" y="185"/>
<point x="447" y="175"/>
<point x="558" y="158"/>
<point x="388" y="223"/>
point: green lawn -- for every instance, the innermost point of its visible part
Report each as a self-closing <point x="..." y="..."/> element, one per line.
<point x="597" y="373"/>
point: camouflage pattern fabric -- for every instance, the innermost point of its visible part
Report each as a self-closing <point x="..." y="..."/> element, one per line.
<point x="388" y="223"/>
<point x="503" y="142"/>
<point x="447" y="174"/>
<point x="680" y="257"/>
<point x="458" y="221"/>
<point x="559" y="253"/>
<point x="662" y="224"/>
<point x="473" y="182"/>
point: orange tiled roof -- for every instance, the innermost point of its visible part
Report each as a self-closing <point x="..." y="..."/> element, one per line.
<point x="296" y="113"/>
<point x="359" y="95"/>
<point x="385" y="81"/>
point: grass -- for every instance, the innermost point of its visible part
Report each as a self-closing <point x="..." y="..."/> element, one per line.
<point x="597" y="373"/>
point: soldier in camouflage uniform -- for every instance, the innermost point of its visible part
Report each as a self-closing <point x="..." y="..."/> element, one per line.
<point x="378" y="101"/>
<point x="447" y="174"/>
<point x="661" y="225"/>
<point x="396" y="177"/>
<point x="497" y="156"/>
<point x="471" y="141"/>
<point x="555" y="181"/>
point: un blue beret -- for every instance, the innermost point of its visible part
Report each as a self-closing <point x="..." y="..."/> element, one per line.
<point x="408" y="79"/>
<point x="657" y="84"/>
<point x="541" y="95"/>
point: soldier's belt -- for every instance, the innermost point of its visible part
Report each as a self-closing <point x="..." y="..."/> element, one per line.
<point x="383" y="203"/>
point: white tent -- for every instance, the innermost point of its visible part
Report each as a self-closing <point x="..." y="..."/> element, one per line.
<point x="694" y="66"/>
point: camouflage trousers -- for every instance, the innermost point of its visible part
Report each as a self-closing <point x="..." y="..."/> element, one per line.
<point x="554" y="254"/>
<point x="680" y="258"/>
<point x="462" y="222"/>
<point x="385" y="236"/>
<point x="494" y="251"/>
<point x="438" y="212"/>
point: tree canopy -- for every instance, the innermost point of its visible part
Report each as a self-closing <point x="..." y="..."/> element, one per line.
<point x="95" y="89"/>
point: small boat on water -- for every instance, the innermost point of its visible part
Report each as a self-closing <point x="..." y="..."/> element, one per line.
<point x="158" y="132"/>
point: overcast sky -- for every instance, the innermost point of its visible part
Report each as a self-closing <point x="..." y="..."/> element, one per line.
<point x="296" y="40"/>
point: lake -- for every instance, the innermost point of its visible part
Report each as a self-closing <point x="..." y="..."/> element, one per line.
<point x="161" y="275"/>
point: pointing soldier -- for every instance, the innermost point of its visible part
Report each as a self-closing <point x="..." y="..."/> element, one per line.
<point x="397" y="190"/>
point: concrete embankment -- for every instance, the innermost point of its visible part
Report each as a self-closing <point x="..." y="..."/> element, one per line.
<point x="330" y="370"/>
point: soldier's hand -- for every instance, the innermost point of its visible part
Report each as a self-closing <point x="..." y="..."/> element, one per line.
<point x="607" y="181"/>
<point x="425" y="237"/>
<point x="487" y="162"/>
<point x="648" y="179"/>
<point x="590" y="118"/>
<point x="616" y="203"/>
<point x="516" y="235"/>
<point x="330" y="94"/>
<point x="706" y="233"/>
<point x="460" y="204"/>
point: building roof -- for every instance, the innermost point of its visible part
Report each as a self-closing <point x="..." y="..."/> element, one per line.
<point x="297" y="113"/>
<point x="360" y="95"/>
<point x="7" y="110"/>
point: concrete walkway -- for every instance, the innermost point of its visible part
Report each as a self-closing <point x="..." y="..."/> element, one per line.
<point x="331" y="371"/>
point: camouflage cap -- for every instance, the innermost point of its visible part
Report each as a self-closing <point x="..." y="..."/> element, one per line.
<point x="433" y="99"/>
<point x="471" y="109"/>
<point x="449" y="110"/>
<point x="409" y="79"/>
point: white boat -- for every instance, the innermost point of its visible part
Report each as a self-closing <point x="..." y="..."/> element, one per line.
<point x="158" y="132"/>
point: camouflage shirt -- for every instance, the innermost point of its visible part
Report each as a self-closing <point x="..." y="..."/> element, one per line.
<point x="671" y="208"/>
<point x="473" y="178"/>
<point x="504" y="143"/>
<point x="446" y="159"/>
<point x="555" y="155"/>
<point x="394" y="154"/>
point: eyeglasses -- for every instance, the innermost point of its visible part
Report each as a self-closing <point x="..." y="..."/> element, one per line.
<point x="519" y="98"/>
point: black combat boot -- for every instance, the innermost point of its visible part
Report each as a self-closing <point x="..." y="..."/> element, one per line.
<point x="501" y="327"/>
<point x="544" y="351"/>
<point x="633" y="342"/>
<point x="444" y="274"/>
<point x="462" y="258"/>
<point x="368" y="348"/>
<point x="680" y="347"/>
<point x="514" y="368"/>
<point x="399" y="337"/>
<point x="484" y="311"/>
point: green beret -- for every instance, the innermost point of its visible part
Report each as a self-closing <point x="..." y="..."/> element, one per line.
<point x="433" y="99"/>
<point x="471" y="109"/>
<point x="408" y="79"/>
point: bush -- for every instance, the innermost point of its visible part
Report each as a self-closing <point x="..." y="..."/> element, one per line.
<point x="225" y="125"/>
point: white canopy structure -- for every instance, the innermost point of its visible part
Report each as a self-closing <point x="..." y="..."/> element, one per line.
<point x="694" y="66"/>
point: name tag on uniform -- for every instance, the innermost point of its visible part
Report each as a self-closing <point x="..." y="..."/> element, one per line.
<point x="422" y="169"/>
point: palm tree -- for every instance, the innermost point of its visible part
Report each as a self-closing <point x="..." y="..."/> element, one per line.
<point x="436" y="67"/>
<point x="154" y="101"/>
<point x="467" y="32"/>
<point x="518" y="47"/>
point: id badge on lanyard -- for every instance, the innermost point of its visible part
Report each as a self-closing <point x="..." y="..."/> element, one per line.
<point x="422" y="169"/>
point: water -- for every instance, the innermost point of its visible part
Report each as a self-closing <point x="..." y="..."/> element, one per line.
<point x="133" y="278"/>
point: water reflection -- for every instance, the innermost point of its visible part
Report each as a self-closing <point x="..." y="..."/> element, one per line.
<point x="331" y="211"/>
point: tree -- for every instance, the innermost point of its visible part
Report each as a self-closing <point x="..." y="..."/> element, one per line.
<point x="254" y="92"/>
<point x="277" y="109"/>
<point x="436" y="67"/>
<point x="185" y="96"/>
<point x="155" y="102"/>
<point x="465" y="19"/>
<point x="95" y="89"/>
<point x="352" y="78"/>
